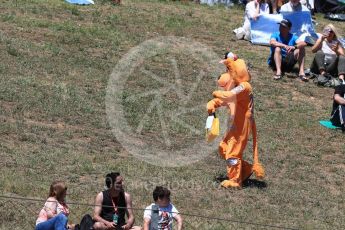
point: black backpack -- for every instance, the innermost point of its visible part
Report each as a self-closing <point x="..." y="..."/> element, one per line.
<point x="85" y="224"/>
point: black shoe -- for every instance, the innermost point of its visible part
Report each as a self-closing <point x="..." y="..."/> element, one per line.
<point x="322" y="80"/>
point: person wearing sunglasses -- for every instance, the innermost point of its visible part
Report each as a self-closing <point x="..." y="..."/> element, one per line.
<point x="329" y="58"/>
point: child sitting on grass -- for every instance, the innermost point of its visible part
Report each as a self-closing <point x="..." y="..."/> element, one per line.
<point x="160" y="215"/>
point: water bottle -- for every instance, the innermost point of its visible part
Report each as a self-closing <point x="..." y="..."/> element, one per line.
<point x="115" y="218"/>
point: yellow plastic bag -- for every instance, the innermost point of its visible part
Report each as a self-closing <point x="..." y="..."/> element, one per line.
<point x="213" y="131"/>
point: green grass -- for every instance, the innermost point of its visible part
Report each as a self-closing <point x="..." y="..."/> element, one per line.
<point x="56" y="63"/>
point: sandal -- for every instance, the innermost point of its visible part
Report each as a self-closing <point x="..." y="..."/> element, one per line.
<point x="303" y="78"/>
<point x="277" y="76"/>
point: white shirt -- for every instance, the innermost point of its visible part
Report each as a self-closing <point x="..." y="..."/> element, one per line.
<point x="287" y="7"/>
<point x="327" y="49"/>
<point x="57" y="209"/>
<point x="310" y="2"/>
<point x="250" y="11"/>
<point x="166" y="216"/>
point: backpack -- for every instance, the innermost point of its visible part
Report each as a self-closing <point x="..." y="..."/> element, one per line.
<point x="326" y="80"/>
<point x="322" y="80"/>
<point x="154" y="217"/>
<point x="333" y="82"/>
<point x="85" y="224"/>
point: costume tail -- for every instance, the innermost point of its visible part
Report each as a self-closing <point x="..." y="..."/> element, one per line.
<point x="258" y="169"/>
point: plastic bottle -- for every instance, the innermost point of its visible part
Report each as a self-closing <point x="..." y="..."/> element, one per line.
<point x="115" y="218"/>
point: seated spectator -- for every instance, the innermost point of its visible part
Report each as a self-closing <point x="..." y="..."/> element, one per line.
<point x="293" y="6"/>
<point x="286" y="51"/>
<point x="109" y="212"/>
<point x="253" y="10"/>
<point x="53" y="215"/>
<point x="329" y="56"/>
<point x="275" y="5"/>
<point x="160" y="215"/>
<point x="309" y="4"/>
<point x="338" y="112"/>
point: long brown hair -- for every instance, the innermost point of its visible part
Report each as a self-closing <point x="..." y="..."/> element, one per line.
<point x="57" y="189"/>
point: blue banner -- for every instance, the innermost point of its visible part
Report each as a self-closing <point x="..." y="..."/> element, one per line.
<point x="266" y="24"/>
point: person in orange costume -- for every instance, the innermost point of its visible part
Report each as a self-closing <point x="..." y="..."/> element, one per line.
<point x="237" y="96"/>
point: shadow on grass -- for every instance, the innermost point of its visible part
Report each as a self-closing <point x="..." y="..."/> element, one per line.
<point x="249" y="183"/>
<point x="253" y="183"/>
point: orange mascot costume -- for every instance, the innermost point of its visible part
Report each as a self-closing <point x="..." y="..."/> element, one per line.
<point x="237" y="96"/>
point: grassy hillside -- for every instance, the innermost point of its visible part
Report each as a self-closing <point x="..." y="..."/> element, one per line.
<point x="69" y="77"/>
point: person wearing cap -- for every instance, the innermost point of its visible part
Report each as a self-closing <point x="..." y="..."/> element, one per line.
<point x="286" y="51"/>
<point x="299" y="6"/>
<point x="329" y="57"/>
<point x="237" y="97"/>
<point x="253" y="10"/>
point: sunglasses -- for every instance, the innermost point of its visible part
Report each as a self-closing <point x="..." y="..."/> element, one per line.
<point x="328" y="31"/>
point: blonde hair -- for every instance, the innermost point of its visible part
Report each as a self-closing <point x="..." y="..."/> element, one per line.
<point x="335" y="31"/>
<point x="57" y="189"/>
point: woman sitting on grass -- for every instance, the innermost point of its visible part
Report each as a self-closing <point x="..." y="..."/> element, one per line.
<point x="329" y="56"/>
<point x="53" y="215"/>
